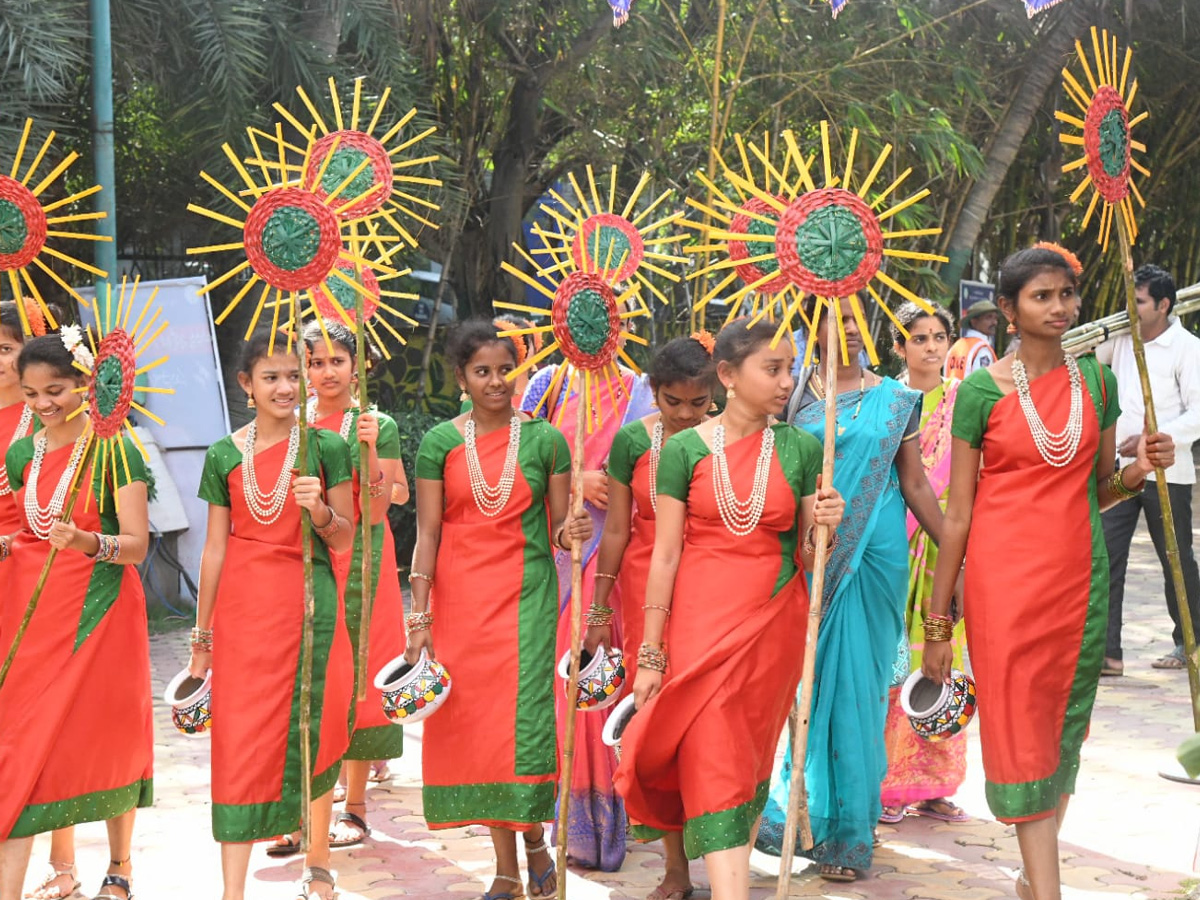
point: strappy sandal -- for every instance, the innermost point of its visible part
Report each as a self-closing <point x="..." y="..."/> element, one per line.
<point x="55" y="871"/>
<point x="678" y="894"/>
<point x="837" y="873"/>
<point x="348" y="818"/>
<point x="316" y="875"/>
<point x="285" y="846"/>
<point x="506" y="895"/>
<point x="536" y="880"/>
<point x="119" y="881"/>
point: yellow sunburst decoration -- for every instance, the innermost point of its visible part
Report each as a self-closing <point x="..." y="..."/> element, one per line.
<point x="117" y="341"/>
<point x="26" y="225"/>
<point x="586" y="318"/>
<point x="595" y="237"/>
<point x="1106" y="135"/>
<point x="292" y="238"/>
<point x="828" y="240"/>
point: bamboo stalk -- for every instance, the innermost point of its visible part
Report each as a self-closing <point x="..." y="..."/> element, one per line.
<point x="68" y="509"/>
<point x="364" y="476"/>
<point x="1085" y="337"/>
<point x="574" y="638"/>
<point x="1160" y="477"/>
<point x="306" y="639"/>
<point x="797" y="808"/>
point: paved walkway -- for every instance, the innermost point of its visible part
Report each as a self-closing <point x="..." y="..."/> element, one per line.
<point x="1129" y="833"/>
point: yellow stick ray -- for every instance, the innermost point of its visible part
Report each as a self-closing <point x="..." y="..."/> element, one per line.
<point x="21" y="148"/>
<point x="54" y="173"/>
<point x="74" y="198"/>
<point x="37" y="160"/>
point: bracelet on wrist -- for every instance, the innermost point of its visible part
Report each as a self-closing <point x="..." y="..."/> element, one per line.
<point x="665" y="609"/>
<point x="938" y="629"/>
<point x="605" y="575"/>
<point x="810" y="540"/>
<point x="1116" y="486"/>
<point x="427" y="578"/>
<point x="599" y="615"/>
<point x="330" y="528"/>
<point x="202" y="639"/>
<point x="653" y="658"/>
<point x="418" y="621"/>
<point x="375" y="487"/>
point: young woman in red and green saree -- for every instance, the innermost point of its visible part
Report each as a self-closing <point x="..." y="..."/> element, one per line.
<point x="251" y="640"/>
<point x="77" y="737"/>
<point x="16" y="418"/>
<point x="922" y="775"/>
<point x="738" y="501"/>
<point x="492" y="489"/>
<point x="681" y="378"/>
<point x="1033" y="455"/>
<point x="335" y="408"/>
<point x="879" y="471"/>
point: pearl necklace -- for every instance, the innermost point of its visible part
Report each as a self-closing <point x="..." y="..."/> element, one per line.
<point x="741" y="517"/>
<point x="266" y="508"/>
<point x="491" y="500"/>
<point x="22" y="427"/>
<point x="42" y="518"/>
<point x="347" y="418"/>
<point x="656" y="442"/>
<point x="1056" y="449"/>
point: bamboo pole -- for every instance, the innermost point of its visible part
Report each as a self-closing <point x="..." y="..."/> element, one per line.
<point x="306" y="638"/>
<point x="1160" y="478"/>
<point x="364" y="477"/>
<point x="68" y="509"/>
<point x="714" y="133"/>
<point x="1086" y="337"/>
<point x="797" y="807"/>
<point x="574" y="638"/>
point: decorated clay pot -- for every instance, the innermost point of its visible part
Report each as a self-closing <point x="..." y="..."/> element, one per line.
<point x="190" y="700"/>
<point x="938" y="711"/>
<point x="601" y="678"/>
<point x="412" y="692"/>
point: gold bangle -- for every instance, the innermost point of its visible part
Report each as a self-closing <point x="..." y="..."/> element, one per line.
<point x="665" y="609"/>
<point x="605" y="575"/>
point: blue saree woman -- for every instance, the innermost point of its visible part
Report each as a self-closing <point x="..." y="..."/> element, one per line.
<point x="878" y="470"/>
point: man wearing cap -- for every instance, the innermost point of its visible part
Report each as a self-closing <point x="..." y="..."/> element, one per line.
<point x="1173" y="358"/>
<point x="974" y="349"/>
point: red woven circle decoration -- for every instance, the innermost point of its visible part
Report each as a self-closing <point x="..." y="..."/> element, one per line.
<point x="1107" y="145"/>
<point x="586" y="323"/>
<point x="863" y="242"/>
<point x="738" y="250"/>
<point x="22" y="225"/>
<point x="627" y="242"/>
<point x="351" y="146"/>
<point x="311" y="263"/>
<point x="346" y="296"/>
<point x="112" y="384"/>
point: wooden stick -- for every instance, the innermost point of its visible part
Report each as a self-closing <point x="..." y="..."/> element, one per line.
<point x="797" y="808"/>
<point x="72" y="496"/>
<point x="1160" y="477"/>
<point x="574" y="637"/>
<point x="310" y="607"/>
<point x="364" y="477"/>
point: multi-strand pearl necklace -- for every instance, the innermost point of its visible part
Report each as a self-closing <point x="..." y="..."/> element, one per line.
<point x="347" y="417"/>
<point x="265" y="508"/>
<point x="42" y="518"/>
<point x="741" y="517"/>
<point x="491" y="500"/>
<point x="656" y="442"/>
<point x="1056" y="449"/>
<point x="22" y="427"/>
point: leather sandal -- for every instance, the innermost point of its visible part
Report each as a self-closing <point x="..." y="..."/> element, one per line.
<point x="348" y="818"/>
<point x="119" y="881"/>
<point x="316" y="875"/>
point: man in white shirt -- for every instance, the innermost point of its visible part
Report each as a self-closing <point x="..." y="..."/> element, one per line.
<point x="1173" y="358"/>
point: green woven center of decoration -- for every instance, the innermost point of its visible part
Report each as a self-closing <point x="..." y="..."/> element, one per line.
<point x="342" y="292"/>
<point x="614" y="247"/>
<point x="290" y="238"/>
<point x="1113" y="138"/>
<point x="346" y="160"/>
<point x="13" y="229"/>
<point x="109" y="377"/>
<point x="758" y="248"/>
<point x="831" y="242"/>
<point x="587" y="318"/>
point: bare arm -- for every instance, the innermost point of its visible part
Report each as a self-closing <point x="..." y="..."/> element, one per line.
<point x="424" y="561"/>
<point x="660" y="586"/>
<point x="613" y="542"/>
<point x="1152" y="450"/>
<point x="917" y="492"/>
<point x="212" y="561"/>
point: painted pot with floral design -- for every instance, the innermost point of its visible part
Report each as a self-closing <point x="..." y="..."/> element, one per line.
<point x="601" y="678"/>
<point x="937" y="712"/>
<point x="190" y="700"/>
<point x="412" y="692"/>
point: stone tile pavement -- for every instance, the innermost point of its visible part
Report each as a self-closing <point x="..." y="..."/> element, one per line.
<point x="1129" y="832"/>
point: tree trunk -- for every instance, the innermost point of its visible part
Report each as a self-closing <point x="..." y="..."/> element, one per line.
<point x="321" y="23"/>
<point x="1046" y="60"/>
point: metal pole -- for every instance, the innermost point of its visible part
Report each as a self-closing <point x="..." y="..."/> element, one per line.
<point x="102" y="143"/>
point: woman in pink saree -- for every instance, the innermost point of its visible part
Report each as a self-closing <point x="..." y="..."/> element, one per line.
<point x="597" y="825"/>
<point x="921" y="775"/>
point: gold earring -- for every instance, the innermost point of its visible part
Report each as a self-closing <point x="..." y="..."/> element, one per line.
<point x="730" y="393"/>
<point x="250" y="404"/>
<point x="463" y="397"/>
